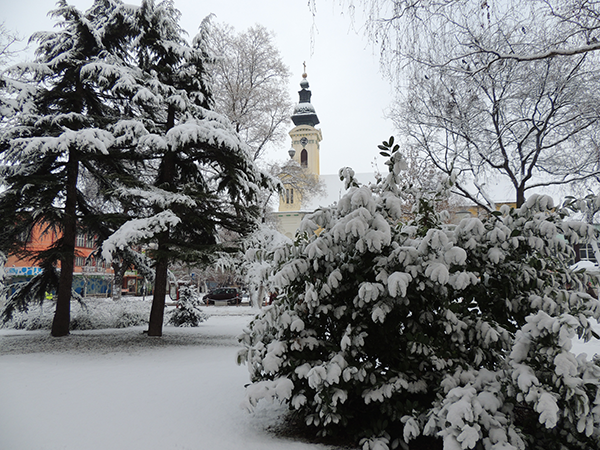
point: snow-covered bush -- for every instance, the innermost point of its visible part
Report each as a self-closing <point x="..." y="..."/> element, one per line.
<point x="93" y="314"/>
<point x="188" y="312"/>
<point x="3" y="287"/>
<point x="129" y="315"/>
<point x="416" y="333"/>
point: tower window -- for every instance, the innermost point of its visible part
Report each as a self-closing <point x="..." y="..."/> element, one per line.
<point x="289" y="196"/>
<point x="304" y="158"/>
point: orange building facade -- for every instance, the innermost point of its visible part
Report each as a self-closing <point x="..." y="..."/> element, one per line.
<point x="92" y="277"/>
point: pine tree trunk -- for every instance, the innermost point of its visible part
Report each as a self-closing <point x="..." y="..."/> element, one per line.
<point x="62" y="315"/>
<point x="165" y="179"/>
<point x="157" y="312"/>
<point x="119" y="273"/>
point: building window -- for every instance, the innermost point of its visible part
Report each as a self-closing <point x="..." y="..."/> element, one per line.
<point x="79" y="261"/>
<point x="586" y="253"/>
<point x="289" y="196"/>
<point x="304" y="158"/>
<point x="84" y="240"/>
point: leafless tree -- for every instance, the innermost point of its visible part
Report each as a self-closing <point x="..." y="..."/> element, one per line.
<point x="298" y="178"/>
<point x="533" y="122"/>
<point x="398" y="27"/>
<point x="8" y="39"/>
<point x="490" y="88"/>
<point x="250" y="84"/>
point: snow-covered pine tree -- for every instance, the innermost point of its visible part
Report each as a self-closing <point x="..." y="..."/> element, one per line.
<point x="415" y="334"/>
<point x="188" y="312"/>
<point x="203" y="178"/>
<point x="60" y="114"/>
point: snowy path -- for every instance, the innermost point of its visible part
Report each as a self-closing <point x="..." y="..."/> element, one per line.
<point x="118" y="390"/>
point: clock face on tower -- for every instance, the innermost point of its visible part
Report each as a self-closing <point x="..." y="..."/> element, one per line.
<point x="304" y="141"/>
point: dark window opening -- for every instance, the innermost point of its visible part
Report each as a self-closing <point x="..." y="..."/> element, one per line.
<point x="304" y="158"/>
<point x="289" y="196"/>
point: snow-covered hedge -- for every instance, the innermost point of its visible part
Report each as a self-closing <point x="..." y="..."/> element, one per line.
<point x="412" y="333"/>
<point x="94" y="314"/>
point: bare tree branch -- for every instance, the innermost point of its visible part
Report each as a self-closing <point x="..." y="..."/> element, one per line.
<point x="293" y="175"/>
<point x="251" y="85"/>
<point x="8" y="39"/>
<point x="530" y="122"/>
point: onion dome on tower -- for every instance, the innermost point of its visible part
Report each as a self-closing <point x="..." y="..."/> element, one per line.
<point x="304" y="112"/>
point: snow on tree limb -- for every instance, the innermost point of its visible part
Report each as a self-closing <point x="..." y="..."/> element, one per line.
<point x="92" y="140"/>
<point x="137" y="230"/>
<point x="156" y="196"/>
<point x="542" y="55"/>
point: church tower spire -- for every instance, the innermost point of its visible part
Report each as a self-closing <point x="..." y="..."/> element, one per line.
<point x="305" y="137"/>
<point x="304" y="112"/>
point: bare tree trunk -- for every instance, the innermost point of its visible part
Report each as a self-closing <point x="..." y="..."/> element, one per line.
<point x="520" y="196"/>
<point x="62" y="315"/>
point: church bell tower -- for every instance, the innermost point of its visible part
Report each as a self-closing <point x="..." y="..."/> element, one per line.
<point x="305" y="144"/>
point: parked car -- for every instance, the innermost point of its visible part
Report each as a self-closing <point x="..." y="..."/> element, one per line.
<point x="229" y="295"/>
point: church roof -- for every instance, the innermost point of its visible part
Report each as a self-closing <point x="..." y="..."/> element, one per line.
<point x="304" y="112"/>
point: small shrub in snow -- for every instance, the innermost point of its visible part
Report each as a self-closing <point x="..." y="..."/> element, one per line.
<point x="130" y="316"/>
<point x="33" y="320"/>
<point x="413" y="333"/>
<point x="81" y="321"/>
<point x="188" y="312"/>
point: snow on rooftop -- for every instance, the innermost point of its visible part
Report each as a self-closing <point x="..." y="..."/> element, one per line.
<point x="588" y="266"/>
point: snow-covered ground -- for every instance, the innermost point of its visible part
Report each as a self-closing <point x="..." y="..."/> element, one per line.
<point x="117" y="389"/>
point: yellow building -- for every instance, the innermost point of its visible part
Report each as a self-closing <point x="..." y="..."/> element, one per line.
<point x="305" y="151"/>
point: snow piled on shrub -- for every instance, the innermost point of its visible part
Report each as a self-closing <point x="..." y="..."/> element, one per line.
<point x="93" y="314"/>
<point x="188" y="312"/>
<point x="457" y="336"/>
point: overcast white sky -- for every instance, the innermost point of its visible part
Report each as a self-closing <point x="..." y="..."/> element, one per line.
<point x="349" y="94"/>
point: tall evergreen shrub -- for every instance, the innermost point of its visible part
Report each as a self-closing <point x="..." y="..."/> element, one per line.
<point x="418" y="334"/>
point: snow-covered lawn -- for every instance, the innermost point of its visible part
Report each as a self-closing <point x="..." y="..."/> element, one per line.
<point x="119" y="390"/>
